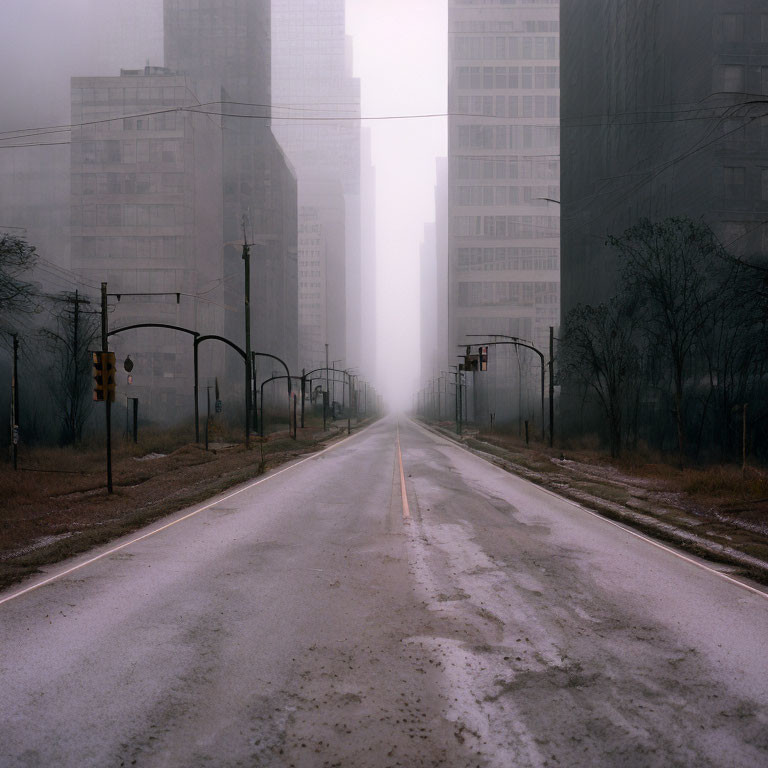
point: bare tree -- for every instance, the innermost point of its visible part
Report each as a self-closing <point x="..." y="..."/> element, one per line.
<point x="16" y="258"/>
<point x="70" y="343"/>
<point x="667" y="267"/>
<point x="598" y="350"/>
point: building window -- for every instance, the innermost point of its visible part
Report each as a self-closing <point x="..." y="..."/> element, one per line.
<point x="735" y="182"/>
<point x="733" y="79"/>
<point x="733" y="27"/>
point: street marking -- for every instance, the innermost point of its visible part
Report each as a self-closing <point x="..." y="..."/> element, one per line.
<point x="403" y="491"/>
<point x="165" y="527"/>
<point x="621" y="526"/>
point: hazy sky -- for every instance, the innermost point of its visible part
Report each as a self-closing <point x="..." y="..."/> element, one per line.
<point x="400" y="54"/>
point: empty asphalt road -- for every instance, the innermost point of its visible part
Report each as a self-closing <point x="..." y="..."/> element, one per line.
<point x="313" y="619"/>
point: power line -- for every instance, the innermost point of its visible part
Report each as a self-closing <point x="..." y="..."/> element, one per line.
<point x="653" y="173"/>
<point x="23" y="133"/>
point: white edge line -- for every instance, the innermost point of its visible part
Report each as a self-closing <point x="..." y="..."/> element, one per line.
<point x="621" y="526"/>
<point x="162" y="528"/>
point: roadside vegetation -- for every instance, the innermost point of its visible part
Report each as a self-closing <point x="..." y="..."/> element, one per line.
<point x="677" y="359"/>
<point x="56" y="505"/>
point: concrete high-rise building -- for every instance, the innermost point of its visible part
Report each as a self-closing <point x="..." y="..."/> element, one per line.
<point x="312" y="78"/>
<point x="662" y="113"/>
<point x="321" y="246"/>
<point x="446" y="350"/>
<point x="229" y="42"/>
<point x="369" y="328"/>
<point x="146" y="217"/>
<point x="72" y="39"/>
<point x="430" y="365"/>
<point x="504" y="234"/>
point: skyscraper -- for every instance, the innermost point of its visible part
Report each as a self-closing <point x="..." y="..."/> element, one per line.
<point x="312" y="78"/>
<point x="229" y="42"/>
<point x="146" y="217"/>
<point x="659" y="124"/>
<point x="504" y="171"/>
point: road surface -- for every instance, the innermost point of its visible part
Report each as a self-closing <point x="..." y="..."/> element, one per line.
<point x="313" y="619"/>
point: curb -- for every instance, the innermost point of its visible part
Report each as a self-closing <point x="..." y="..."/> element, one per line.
<point x="705" y="548"/>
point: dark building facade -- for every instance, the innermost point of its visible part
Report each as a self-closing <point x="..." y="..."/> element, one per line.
<point x="657" y="124"/>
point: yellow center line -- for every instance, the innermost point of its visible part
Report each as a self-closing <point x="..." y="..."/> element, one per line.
<point x="403" y="491"/>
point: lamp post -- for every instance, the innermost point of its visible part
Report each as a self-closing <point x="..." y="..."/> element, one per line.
<point x="333" y="398"/>
<point x="516" y="342"/>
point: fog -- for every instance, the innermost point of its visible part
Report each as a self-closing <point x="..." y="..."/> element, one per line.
<point x="403" y="72"/>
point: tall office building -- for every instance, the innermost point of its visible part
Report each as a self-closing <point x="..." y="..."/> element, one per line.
<point x="72" y="39"/>
<point x="312" y="78"/>
<point x="229" y="42"/>
<point x="446" y="350"/>
<point x="430" y="365"/>
<point x="503" y="244"/>
<point x="146" y="217"/>
<point x="369" y="328"/>
<point x="660" y="124"/>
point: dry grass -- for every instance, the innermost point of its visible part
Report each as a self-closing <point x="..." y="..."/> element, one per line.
<point x="725" y="482"/>
<point x="57" y="505"/>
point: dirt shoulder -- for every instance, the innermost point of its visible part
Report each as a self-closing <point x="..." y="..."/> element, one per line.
<point x="712" y="512"/>
<point x="57" y="505"/>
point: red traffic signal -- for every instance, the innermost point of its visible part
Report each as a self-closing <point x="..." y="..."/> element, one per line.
<point x="483" y="355"/>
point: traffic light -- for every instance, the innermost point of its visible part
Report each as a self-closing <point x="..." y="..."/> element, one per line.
<point x="104" y="377"/>
<point x="483" y="355"/>
<point x="472" y="363"/>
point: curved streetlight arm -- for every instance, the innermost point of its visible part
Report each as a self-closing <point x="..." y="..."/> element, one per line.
<point x="282" y="362"/>
<point x="180" y="329"/>
<point x="200" y="339"/>
<point x="519" y="343"/>
<point x="153" y="325"/>
<point x="261" y="399"/>
<point x="330" y="370"/>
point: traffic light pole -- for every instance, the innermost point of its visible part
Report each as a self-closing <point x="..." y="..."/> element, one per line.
<point x="15" y="402"/>
<point x="108" y="401"/>
<point x="551" y="386"/>
<point x="248" y="362"/>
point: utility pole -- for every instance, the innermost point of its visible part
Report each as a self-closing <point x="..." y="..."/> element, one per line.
<point x="551" y="386"/>
<point x="744" y="443"/>
<point x="74" y="355"/>
<point x="247" y="260"/>
<point x="327" y="386"/>
<point x="15" y="402"/>
<point x="303" y="393"/>
<point x="108" y="402"/>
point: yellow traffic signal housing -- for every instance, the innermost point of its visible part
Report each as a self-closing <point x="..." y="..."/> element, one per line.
<point x="472" y="363"/>
<point x="104" y="377"/>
